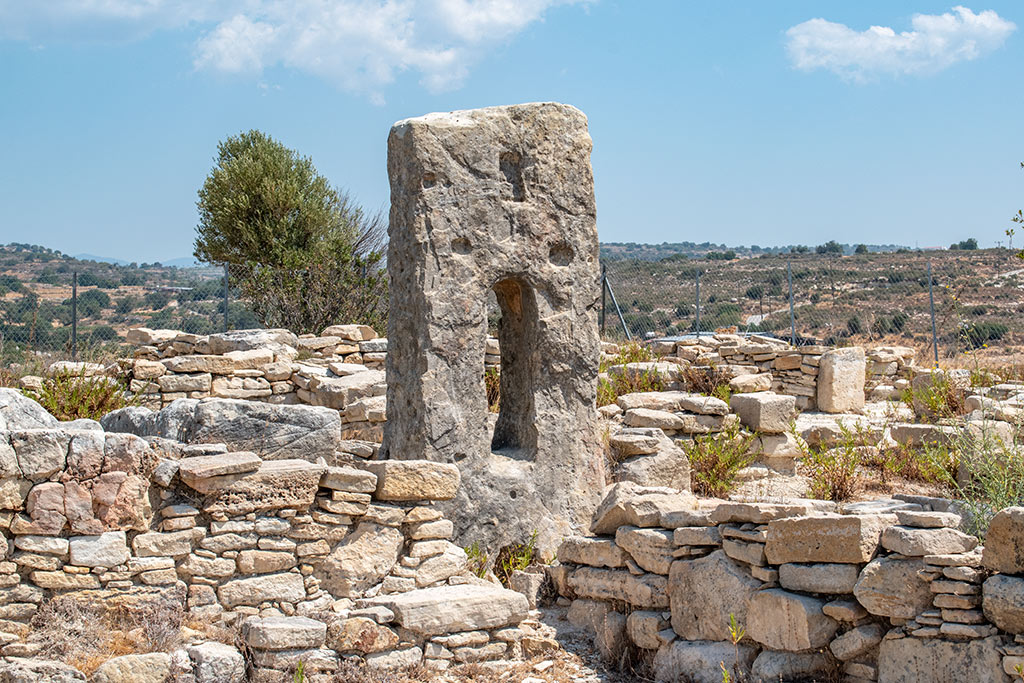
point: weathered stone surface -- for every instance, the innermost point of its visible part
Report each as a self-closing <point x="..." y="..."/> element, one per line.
<point x="838" y="579"/>
<point x="651" y="549"/>
<point x="1004" y="542"/>
<point x="916" y="542"/>
<point x="30" y="670"/>
<point x="674" y="401"/>
<point x="362" y="635"/>
<point x="215" y="662"/>
<point x="788" y="621"/>
<point x="928" y="520"/>
<point x="835" y="538"/>
<point x="208" y="473"/>
<point x="154" y="667"/>
<point x="594" y="552"/>
<point x="857" y="641"/>
<point x="267" y="588"/>
<point x="636" y="441"/>
<point x="283" y="633"/>
<point x="714" y="575"/>
<point x="450" y="609"/>
<point x="18" y="411"/>
<point x="276" y="484"/>
<point x="349" y="479"/>
<point x="105" y="550"/>
<point x="764" y="411"/>
<point x="407" y="480"/>
<point x="911" y="660"/>
<point x="751" y="383"/>
<point x="452" y="560"/>
<point x="479" y="195"/>
<point x="41" y="452"/>
<point x="627" y="503"/>
<point x="699" y="661"/>
<point x="645" y="590"/>
<point x="772" y="667"/>
<point x="1003" y="602"/>
<point x="361" y="560"/>
<point x="169" y="544"/>
<point x="841" y="375"/>
<point x="893" y="588"/>
<point x="643" y="627"/>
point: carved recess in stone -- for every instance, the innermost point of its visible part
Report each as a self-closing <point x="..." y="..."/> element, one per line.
<point x="497" y="200"/>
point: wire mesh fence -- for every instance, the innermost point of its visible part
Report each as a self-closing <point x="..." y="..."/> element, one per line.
<point x="822" y="298"/>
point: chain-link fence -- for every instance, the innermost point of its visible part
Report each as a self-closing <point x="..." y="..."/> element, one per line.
<point x="973" y="298"/>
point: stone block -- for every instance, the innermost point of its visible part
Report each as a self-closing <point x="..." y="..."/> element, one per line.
<point x="831" y="578"/>
<point x="1004" y="542"/>
<point x="841" y="376"/>
<point x="287" y="587"/>
<point x="916" y="542"/>
<point x="276" y="484"/>
<point x="714" y="575"/>
<point x="701" y="660"/>
<point x="850" y="539"/>
<point x="451" y="609"/>
<point x="409" y="480"/>
<point x="1003" y="602"/>
<point x="893" y="588"/>
<point x="283" y="633"/>
<point x="764" y="411"/>
<point x="644" y="591"/>
<point x="594" y="552"/>
<point x="105" y="550"/>
<point x="911" y="660"/>
<point x="788" y="621"/>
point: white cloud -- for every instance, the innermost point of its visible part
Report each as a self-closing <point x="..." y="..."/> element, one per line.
<point x="359" y="45"/>
<point x="935" y="43"/>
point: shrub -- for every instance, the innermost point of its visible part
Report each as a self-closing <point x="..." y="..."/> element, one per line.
<point x="515" y="557"/>
<point x="941" y="399"/>
<point x="70" y="396"/>
<point x="833" y="471"/>
<point x="477" y="559"/>
<point x="716" y="459"/>
<point x="609" y="390"/>
<point x="709" y="381"/>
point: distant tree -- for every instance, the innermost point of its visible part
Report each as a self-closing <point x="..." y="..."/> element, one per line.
<point x="830" y="247"/>
<point x="92" y="302"/>
<point x="721" y="255"/>
<point x="861" y="249"/>
<point x="799" y="249"/>
<point x="299" y="250"/>
<point x="966" y="245"/>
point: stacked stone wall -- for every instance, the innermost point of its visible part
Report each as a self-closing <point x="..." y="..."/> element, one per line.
<point x="887" y="590"/>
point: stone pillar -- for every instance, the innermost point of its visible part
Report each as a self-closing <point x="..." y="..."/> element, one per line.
<point x="841" y="375"/>
<point x="497" y="200"/>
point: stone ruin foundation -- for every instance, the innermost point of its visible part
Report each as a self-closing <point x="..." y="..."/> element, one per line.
<point x="497" y="200"/>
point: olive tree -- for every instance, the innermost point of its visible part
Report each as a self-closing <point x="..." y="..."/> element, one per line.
<point x="298" y="250"/>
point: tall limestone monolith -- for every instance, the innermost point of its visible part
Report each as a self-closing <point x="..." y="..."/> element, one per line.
<point x="497" y="200"/>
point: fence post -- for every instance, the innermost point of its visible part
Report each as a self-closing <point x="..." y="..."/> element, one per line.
<point x="604" y="296"/>
<point x="74" y="315"/>
<point x="792" y="315"/>
<point x="931" y="305"/>
<point x="225" y="297"/>
<point x="697" y="318"/>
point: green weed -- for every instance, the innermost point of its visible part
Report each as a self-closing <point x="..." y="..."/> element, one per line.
<point x="716" y="459"/>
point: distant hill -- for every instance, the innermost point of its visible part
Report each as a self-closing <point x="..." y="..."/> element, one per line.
<point x="657" y="252"/>
<point x="100" y="259"/>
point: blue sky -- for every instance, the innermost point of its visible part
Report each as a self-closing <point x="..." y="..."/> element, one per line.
<point x="745" y="122"/>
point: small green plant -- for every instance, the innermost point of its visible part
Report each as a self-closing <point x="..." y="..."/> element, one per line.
<point x="940" y="400"/>
<point x="736" y="633"/>
<point x="1019" y="670"/>
<point x="716" y="459"/>
<point x="477" y="559"/>
<point x="515" y="557"/>
<point x="833" y="471"/>
<point x="709" y="381"/>
<point x="300" y="673"/>
<point x="70" y="396"/>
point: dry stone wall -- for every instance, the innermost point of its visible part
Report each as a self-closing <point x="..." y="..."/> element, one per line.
<point x="315" y="559"/>
<point x="886" y="591"/>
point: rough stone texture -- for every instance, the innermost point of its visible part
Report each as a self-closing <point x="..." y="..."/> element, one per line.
<point x="450" y="609"/>
<point x="361" y="560"/>
<point x="788" y="621"/>
<point x="1004" y="542"/>
<point x="892" y="588"/>
<point x="764" y="411"/>
<point x="772" y="667"/>
<point x="19" y="670"/>
<point x="912" y="660"/>
<point x="698" y="661"/>
<point x="276" y="484"/>
<point x="1003" y="602"/>
<point x="406" y="480"/>
<point x="18" y="411"/>
<point x="498" y="199"/>
<point x="841" y="376"/>
<point x="857" y="641"/>
<point x="217" y="663"/>
<point x="836" y="579"/>
<point x="644" y="590"/>
<point x="154" y="667"/>
<point x="846" y="538"/>
<point x="106" y="550"/>
<point x="717" y="575"/>
<point x="283" y="633"/>
<point x="266" y="588"/>
<point x="628" y="503"/>
<point x="594" y="552"/>
<point x="920" y="542"/>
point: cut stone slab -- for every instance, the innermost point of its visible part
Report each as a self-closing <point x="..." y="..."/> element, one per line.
<point x="771" y="667"/>
<point x="627" y="503"/>
<point x="1004" y="542"/>
<point x="106" y="550"/>
<point x="208" y="473"/>
<point x="700" y="660"/>
<point x="287" y="587"/>
<point x="409" y="480"/>
<point x="651" y="549"/>
<point x="915" y="542"/>
<point x="349" y="479"/>
<point x="850" y="539"/>
<point x="674" y="402"/>
<point x="361" y="560"/>
<point x="276" y="484"/>
<point x="788" y="621"/>
<point x="215" y="662"/>
<point x="841" y="376"/>
<point x="1003" y="602"/>
<point x="834" y="578"/>
<point x="764" y="411"/>
<point x="912" y="660"/>
<point x="857" y="641"/>
<point x="283" y="633"/>
<point x="451" y="609"/>
<point x="644" y="591"/>
<point x="893" y="588"/>
<point x="154" y="667"/>
<point x="928" y="520"/>
<point x="18" y="411"/>
<point x="594" y="552"/>
<point x="714" y="575"/>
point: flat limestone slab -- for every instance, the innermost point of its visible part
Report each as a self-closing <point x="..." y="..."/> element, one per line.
<point x="276" y="484"/>
<point x="205" y="473"/>
<point x="450" y="609"/>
